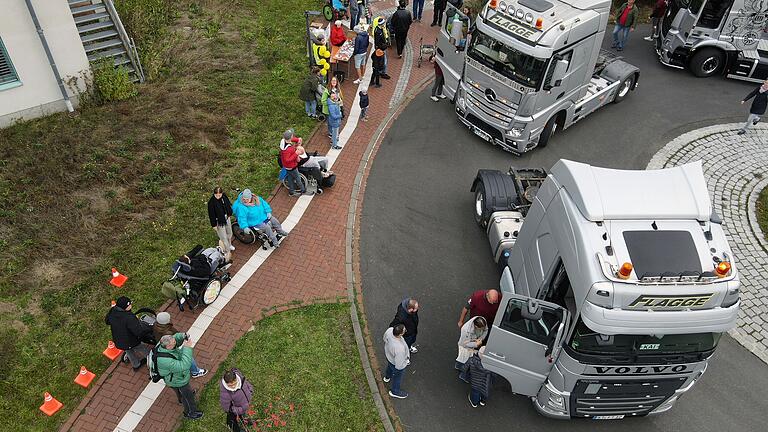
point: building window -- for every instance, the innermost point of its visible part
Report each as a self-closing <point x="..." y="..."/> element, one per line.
<point x="8" y="76"/>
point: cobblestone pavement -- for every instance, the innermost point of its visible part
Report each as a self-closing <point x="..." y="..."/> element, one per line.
<point x="282" y="282"/>
<point x="736" y="168"/>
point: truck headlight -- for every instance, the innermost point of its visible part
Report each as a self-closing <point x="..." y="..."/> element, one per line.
<point x="556" y="401"/>
<point x="601" y="294"/>
<point x="461" y="102"/>
<point x="515" y="132"/>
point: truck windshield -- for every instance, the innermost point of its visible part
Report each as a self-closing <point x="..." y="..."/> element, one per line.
<point x="511" y="63"/>
<point x="586" y="341"/>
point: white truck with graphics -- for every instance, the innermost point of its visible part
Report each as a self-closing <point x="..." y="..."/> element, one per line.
<point x="526" y="68"/>
<point x="616" y="285"/>
<point x="716" y="37"/>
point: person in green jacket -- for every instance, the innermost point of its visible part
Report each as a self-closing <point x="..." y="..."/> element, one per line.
<point x="626" y="16"/>
<point x="308" y="92"/>
<point x="173" y="362"/>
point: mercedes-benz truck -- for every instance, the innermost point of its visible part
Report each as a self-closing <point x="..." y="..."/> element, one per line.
<point x="524" y="69"/>
<point x="716" y="37"/>
<point x="616" y="285"/>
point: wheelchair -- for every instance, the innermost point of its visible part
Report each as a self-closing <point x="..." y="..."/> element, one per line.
<point x="256" y="234"/>
<point x="187" y="286"/>
<point x="332" y="14"/>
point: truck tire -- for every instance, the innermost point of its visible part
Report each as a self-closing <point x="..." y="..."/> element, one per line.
<point x="624" y="88"/>
<point x="548" y="132"/>
<point x="707" y="62"/>
<point x="480" y="217"/>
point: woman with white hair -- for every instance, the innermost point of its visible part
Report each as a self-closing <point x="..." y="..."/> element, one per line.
<point x="338" y="37"/>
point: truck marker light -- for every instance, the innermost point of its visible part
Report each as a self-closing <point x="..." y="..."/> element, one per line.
<point x="529" y="18"/>
<point x="723" y="268"/>
<point x="519" y="14"/>
<point x="539" y="23"/>
<point x="624" y="271"/>
<point x="502" y="6"/>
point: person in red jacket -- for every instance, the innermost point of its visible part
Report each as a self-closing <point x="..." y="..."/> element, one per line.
<point x="290" y="161"/>
<point x="658" y="13"/>
<point x="338" y="37"/>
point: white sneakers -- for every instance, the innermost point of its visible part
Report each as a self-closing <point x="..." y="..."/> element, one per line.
<point x="442" y="96"/>
<point x="357" y="81"/>
<point x="434" y="98"/>
<point x="414" y="349"/>
<point x="387" y="379"/>
<point x="231" y="248"/>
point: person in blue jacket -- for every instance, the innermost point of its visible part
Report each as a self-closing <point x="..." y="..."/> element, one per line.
<point x="253" y="211"/>
<point x="334" y="120"/>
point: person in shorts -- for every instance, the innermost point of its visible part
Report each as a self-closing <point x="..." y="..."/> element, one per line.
<point x="360" y="52"/>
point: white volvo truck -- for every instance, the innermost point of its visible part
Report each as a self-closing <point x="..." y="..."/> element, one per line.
<point x="527" y="68"/>
<point x="716" y="37"/>
<point x="616" y="285"/>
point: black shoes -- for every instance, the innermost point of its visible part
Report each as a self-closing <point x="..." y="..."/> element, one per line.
<point x="197" y="415"/>
<point x="385" y="76"/>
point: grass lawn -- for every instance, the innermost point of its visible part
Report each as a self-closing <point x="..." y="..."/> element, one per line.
<point x="125" y="184"/>
<point x="762" y="211"/>
<point x="305" y="372"/>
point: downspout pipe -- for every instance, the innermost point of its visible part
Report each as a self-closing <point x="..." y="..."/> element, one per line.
<point x="47" y="49"/>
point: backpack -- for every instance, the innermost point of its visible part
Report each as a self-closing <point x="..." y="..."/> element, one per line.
<point x="154" y="354"/>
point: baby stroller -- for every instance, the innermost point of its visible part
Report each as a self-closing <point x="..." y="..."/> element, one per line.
<point x="425" y="51"/>
<point x="197" y="280"/>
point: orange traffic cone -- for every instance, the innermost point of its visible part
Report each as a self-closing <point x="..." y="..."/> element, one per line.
<point x="112" y="352"/>
<point x="51" y="405"/>
<point x="117" y="279"/>
<point x="85" y="377"/>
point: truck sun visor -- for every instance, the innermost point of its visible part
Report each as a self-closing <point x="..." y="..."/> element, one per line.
<point x="654" y="253"/>
<point x="537" y="5"/>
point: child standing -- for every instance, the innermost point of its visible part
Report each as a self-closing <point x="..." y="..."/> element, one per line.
<point x="378" y="66"/>
<point x="364" y="104"/>
<point x="479" y="378"/>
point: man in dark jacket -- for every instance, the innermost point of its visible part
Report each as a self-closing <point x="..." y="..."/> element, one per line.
<point x="401" y="22"/>
<point x="128" y="332"/>
<point x="758" y="106"/>
<point x="437" y="18"/>
<point x="658" y="13"/>
<point x="408" y="315"/>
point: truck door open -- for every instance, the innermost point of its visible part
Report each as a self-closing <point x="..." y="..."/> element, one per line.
<point x="525" y="341"/>
<point x="451" y="46"/>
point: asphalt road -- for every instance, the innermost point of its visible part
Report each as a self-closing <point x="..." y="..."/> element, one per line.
<point x="418" y="239"/>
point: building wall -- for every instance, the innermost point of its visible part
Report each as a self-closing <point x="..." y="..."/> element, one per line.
<point x="39" y="93"/>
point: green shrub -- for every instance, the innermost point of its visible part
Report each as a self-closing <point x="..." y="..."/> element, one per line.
<point x="111" y="83"/>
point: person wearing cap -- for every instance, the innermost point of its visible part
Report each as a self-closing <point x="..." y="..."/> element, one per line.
<point x="128" y="332"/>
<point x="381" y="40"/>
<point x="162" y="327"/>
<point x="290" y="162"/>
<point x="174" y="366"/>
<point x="253" y="211"/>
<point x="377" y="62"/>
<point x="337" y="34"/>
<point x="360" y="53"/>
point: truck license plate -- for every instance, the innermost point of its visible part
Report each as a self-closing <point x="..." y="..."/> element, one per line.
<point x="608" y="417"/>
<point x="482" y="134"/>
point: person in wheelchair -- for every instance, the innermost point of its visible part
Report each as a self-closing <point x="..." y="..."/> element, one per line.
<point x="202" y="273"/>
<point x="254" y="213"/>
<point x="312" y="165"/>
<point x="201" y="263"/>
<point x="341" y="10"/>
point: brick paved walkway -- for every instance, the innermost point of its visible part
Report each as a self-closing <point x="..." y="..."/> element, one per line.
<point x="736" y="168"/>
<point x="281" y="283"/>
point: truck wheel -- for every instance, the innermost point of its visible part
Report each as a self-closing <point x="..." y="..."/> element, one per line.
<point x="624" y="88"/>
<point x="706" y="62"/>
<point x="548" y="132"/>
<point x="480" y="218"/>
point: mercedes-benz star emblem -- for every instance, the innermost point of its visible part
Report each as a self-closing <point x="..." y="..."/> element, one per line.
<point x="490" y="95"/>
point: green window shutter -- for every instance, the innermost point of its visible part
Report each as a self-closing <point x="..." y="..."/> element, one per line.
<point x="7" y="72"/>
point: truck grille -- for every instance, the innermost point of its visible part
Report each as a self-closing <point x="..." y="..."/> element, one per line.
<point x="496" y="110"/>
<point x="631" y="398"/>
